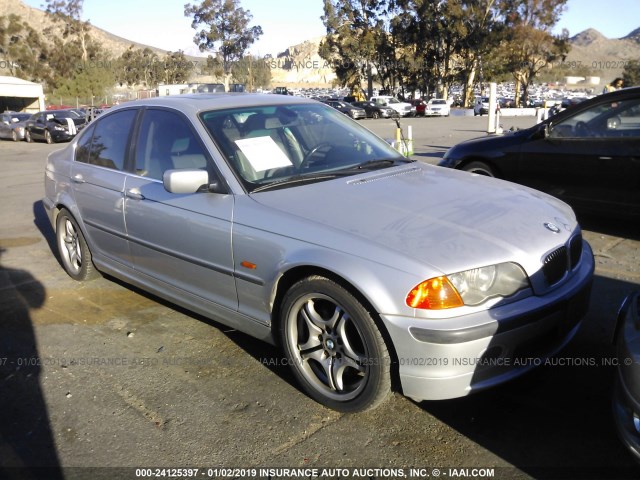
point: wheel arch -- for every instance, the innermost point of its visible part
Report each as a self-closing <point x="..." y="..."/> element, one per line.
<point x="73" y="210"/>
<point x="297" y="273"/>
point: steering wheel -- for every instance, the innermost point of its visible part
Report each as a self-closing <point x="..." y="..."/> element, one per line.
<point x="311" y="153"/>
<point x="581" y="129"/>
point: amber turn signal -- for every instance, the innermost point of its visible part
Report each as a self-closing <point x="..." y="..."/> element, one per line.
<point x="434" y="294"/>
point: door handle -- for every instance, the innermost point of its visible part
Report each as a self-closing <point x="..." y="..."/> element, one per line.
<point x="78" y="178"/>
<point x="135" y="194"/>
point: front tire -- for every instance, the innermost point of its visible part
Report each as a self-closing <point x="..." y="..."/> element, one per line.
<point x="479" y="168"/>
<point x="334" y="347"/>
<point x="47" y="137"/>
<point x="27" y="136"/>
<point x="73" y="249"/>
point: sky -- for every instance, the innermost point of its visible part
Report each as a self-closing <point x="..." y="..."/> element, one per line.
<point x="162" y="24"/>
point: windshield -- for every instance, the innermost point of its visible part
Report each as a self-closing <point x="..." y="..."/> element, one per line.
<point x="269" y="144"/>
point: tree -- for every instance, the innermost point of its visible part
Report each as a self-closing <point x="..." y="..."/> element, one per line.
<point x="73" y="51"/>
<point x="225" y="29"/>
<point x="213" y="67"/>
<point x="252" y="72"/>
<point x="480" y="35"/>
<point x="175" y="68"/>
<point x="23" y="50"/>
<point x="68" y="14"/>
<point x="631" y="73"/>
<point x="86" y="84"/>
<point x="530" y="46"/>
<point x="354" y="40"/>
<point x="429" y="41"/>
<point x="137" y="67"/>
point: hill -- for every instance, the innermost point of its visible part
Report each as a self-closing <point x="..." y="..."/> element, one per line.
<point x="39" y="20"/>
<point x="604" y="57"/>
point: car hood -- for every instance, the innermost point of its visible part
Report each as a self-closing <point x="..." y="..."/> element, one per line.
<point x="441" y="218"/>
<point x="63" y="121"/>
<point x="488" y="146"/>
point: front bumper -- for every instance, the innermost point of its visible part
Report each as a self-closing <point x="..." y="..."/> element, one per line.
<point x="389" y="114"/>
<point x="626" y="397"/>
<point x="61" y="135"/>
<point x="438" y="362"/>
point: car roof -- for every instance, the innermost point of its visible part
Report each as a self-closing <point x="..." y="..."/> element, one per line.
<point x="198" y="102"/>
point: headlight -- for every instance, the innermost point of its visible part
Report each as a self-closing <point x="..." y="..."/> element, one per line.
<point x="59" y="127"/>
<point x="471" y="287"/>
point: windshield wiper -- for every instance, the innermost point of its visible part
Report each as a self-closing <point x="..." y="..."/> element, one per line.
<point x="318" y="177"/>
<point x="374" y="164"/>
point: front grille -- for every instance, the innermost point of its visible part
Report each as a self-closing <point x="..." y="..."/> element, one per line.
<point x="555" y="265"/>
<point x="562" y="260"/>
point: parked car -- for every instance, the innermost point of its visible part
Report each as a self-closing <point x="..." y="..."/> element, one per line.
<point x="564" y="104"/>
<point x="404" y="109"/>
<point x="347" y="108"/>
<point x="289" y="221"/>
<point x="373" y="110"/>
<point x="437" y="106"/>
<point x="53" y="126"/>
<point x="587" y="155"/>
<point x="481" y="106"/>
<point x="12" y="125"/>
<point x="626" y="397"/>
<point x="420" y="106"/>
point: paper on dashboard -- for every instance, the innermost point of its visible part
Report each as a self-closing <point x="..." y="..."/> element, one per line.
<point x="263" y="153"/>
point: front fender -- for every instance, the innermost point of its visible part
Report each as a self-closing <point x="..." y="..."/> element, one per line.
<point x="275" y="257"/>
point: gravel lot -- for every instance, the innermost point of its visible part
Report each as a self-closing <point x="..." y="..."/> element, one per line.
<point x="103" y="375"/>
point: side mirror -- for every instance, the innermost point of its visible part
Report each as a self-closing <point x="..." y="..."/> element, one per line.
<point x="184" y="181"/>
<point x="542" y="132"/>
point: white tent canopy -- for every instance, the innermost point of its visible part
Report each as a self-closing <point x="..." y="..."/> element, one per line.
<point x="18" y="95"/>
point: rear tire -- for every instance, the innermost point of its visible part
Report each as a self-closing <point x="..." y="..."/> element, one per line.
<point x="73" y="249"/>
<point x="334" y="346"/>
<point x="27" y="136"/>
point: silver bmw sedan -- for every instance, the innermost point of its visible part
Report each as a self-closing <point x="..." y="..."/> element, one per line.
<point x="283" y="218"/>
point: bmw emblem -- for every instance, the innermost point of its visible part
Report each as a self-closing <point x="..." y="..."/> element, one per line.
<point x="552" y="227"/>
